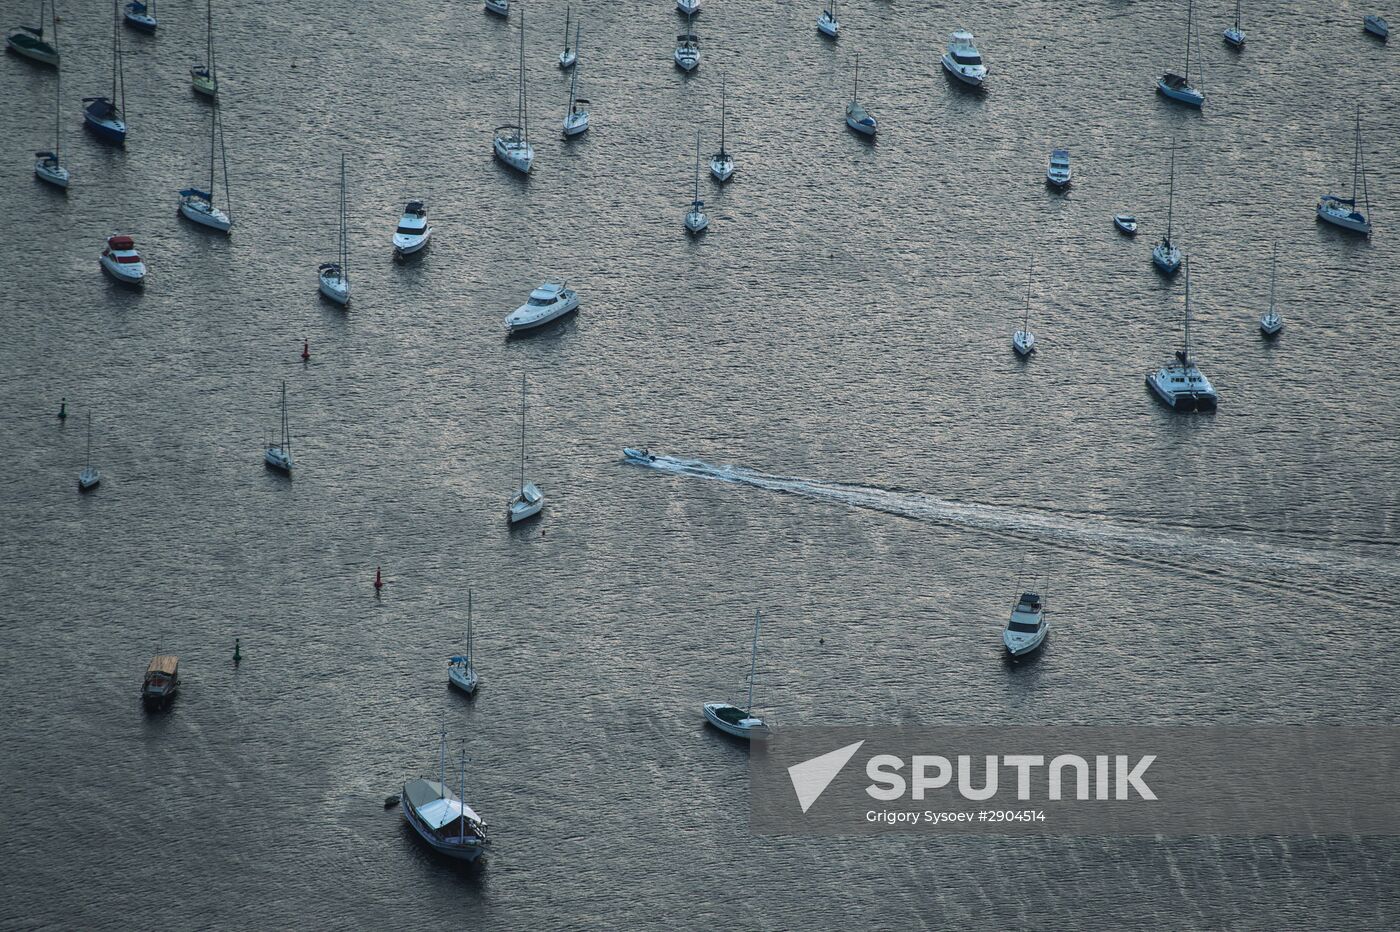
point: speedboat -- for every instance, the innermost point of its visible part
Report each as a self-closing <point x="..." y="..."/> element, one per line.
<point x="140" y="16"/>
<point x="1026" y="630"/>
<point x="687" y="51"/>
<point x="827" y="24"/>
<point x="688" y="7"/>
<point x="121" y="261"/>
<point x="735" y="721"/>
<point x="1058" y="174"/>
<point x="1180" y="384"/>
<point x="499" y="7"/>
<point x="547" y="302"/>
<point x="1177" y="88"/>
<point x="513" y="148"/>
<point x="462" y="674"/>
<point x="963" y="61"/>
<point x="440" y="817"/>
<point x="527" y="503"/>
<point x="1166" y="256"/>
<point x="162" y="680"/>
<point x="1127" y="223"/>
<point x="104" y="119"/>
<point x="413" y="232"/>
<point x="47" y="168"/>
<point x="203" y="81"/>
<point x="639" y="455"/>
<point x="199" y="206"/>
<point x="1342" y="212"/>
<point x="1377" y="26"/>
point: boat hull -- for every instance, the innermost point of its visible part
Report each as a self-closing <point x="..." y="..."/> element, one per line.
<point x="1024" y="645"/>
<point x="1183" y="95"/>
<point x="568" y="59"/>
<point x="1125" y="226"/>
<point x="638" y="456"/>
<point x="33" y="49"/>
<point x="576" y="123"/>
<point x="519" y="156"/>
<point x="55" y="175"/>
<point x="463" y="680"/>
<point x="968" y="77"/>
<point x="829" y="28"/>
<point x="696" y="223"/>
<point x="206" y="215"/>
<point x="687" y="61"/>
<point x="500" y="9"/>
<point x="722" y="169"/>
<point x="123" y="274"/>
<point x="89" y="479"/>
<point x="518" y="322"/>
<point x="108" y="130"/>
<point x="201" y="84"/>
<point x="278" y="461"/>
<point x="1271" y="325"/>
<point x="335" y="288"/>
<point x="742" y="729"/>
<point x="1181" y="401"/>
<point x="1023" y="343"/>
<point x="1167" y="261"/>
<point x="468" y="852"/>
<point x="1234" y="38"/>
<point x="408" y="245"/>
<point x="140" y="23"/>
<point x="523" y="511"/>
<point x="1351" y="221"/>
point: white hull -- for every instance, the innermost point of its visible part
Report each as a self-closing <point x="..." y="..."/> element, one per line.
<point x="33" y="54"/>
<point x="1271" y="325"/>
<point x="278" y="459"/>
<point x="406" y="245"/>
<point x="206" y="215"/>
<point x="696" y="222"/>
<point x="206" y="86"/>
<point x="523" y="511"/>
<point x="89" y="479"/>
<point x="1023" y="342"/>
<point x="469" y="849"/>
<point x="1346" y="219"/>
<point x="518" y="155"/>
<point x="1126" y="224"/>
<point x="568" y="59"/>
<point x="1167" y="260"/>
<point x="336" y="288"/>
<point x="970" y="76"/>
<point x="127" y="274"/>
<point x="576" y="123"/>
<point x="1019" y="645"/>
<point x="688" y="7"/>
<point x="829" y="27"/>
<point x="463" y="679"/>
<point x="528" y="317"/>
<point x="499" y="7"/>
<point x="722" y="169"/>
<point x="746" y="728"/>
<point x="55" y="175"/>
<point x="1234" y="37"/>
<point x="1182" y="94"/>
<point x="1058" y="179"/>
<point x="687" y="59"/>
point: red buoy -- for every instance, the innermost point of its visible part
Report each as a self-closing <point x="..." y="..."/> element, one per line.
<point x="378" y="579"/>
<point x="305" y="350"/>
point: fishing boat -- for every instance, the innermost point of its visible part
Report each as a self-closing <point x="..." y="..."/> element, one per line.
<point x="32" y="42"/>
<point x="569" y="57"/>
<point x="1126" y="223"/>
<point x="121" y="260"/>
<point x="278" y="456"/>
<point x="827" y="24"/>
<point x="443" y="819"/>
<point x="963" y="61"/>
<point x="1058" y="174"/>
<point x="140" y="16"/>
<point x="203" y="78"/>
<point x="1023" y="341"/>
<point x="696" y="220"/>
<point x="688" y="7"/>
<point x="334" y="276"/>
<point x="687" y="54"/>
<point x="197" y="204"/>
<point x="105" y="117"/>
<point x="1027" y="628"/>
<point x="48" y="167"/>
<point x="499" y="7"/>
<point x="461" y="670"/>
<point x="413" y="233"/>
<point x="529" y="501"/>
<point x="732" y="720"/>
<point x="1166" y="255"/>
<point x="1376" y="26"/>
<point x="1271" y="324"/>
<point x="162" y="680"/>
<point x="1347" y="212"/>
<point x="857" y="117"/>
<point x="511" y="141"/>
<point x="548" y="302"/>
<point x="1178" y="87"/>
<point x="1234" y="35"/>
<point x="722" y="163"/>
<point x="576" y="120"/>
<point x="90" y="477"/>
<point x="1180" y="384"/>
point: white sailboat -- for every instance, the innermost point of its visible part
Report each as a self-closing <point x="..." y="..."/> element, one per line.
<point x="48" y="167"/>
<point x="576" y="120"/>
<point x="827" y="24"/>
<point x="1166" y="255"/>
<point x="569" y="57"/>
<point x="687" y="54"/>
<point x="730" y="719"/>
<point x="278" y="456"/>
<point x="529" y="501"/>
<point x="90" y="477"/>
<point x="696" y="220"/>
<point x="1346" y="212"/>
<point x="202" y="76"/>
<point x="1023" y="341"/>
<point x="857" y="117"/>
<point x="461" y="670"/>
<point x="722" y="163"/>
<point x="198" y="205"/>
<point x="441" y="818"/>
<point x="511" y="141"/>
<point x="1234" y="35"/>
<point x="335" y="276"/>
<point x="1272" y="323"/>
<point x="1178" y="87"/>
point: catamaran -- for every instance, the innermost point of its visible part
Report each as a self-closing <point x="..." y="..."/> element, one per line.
<point x="1345" y="212"/>
<point x="198" y="205"/>
<point x="1178" y="86"/>
<point x="857" y="117"/>
<point x="106" y="116"/>
<point x="1023" y="341"/>
<point x="461" y="670"/>
<point x="443" y="819"/>
<point x="47" y="165"/>
<point x="1180" y="384"/>
<point x="1271" y="324"/>
<point x="1166" y="255"/>
<point x="278" y="456"/>
<point x="335" y="276"/>
<point x="696" y="220"/>
<point x="511" y="141"/>
<point x="90" y="477"/>
<point x="32" y="42"/>
<point x="529" y="501"/>
<point x="722" y="163"/>
<point x="202" y="76"/>
<point x="732" y="720"/>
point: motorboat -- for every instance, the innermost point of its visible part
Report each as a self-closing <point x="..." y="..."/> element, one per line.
<point x="688" y="7"/>
<point x="1346" y="212"/>
<point x="334" y="277"/>
<point x="722" y="162"/>
<point x="198" y="205"/>
<point x="857" y="117"/>
<point x="511" y="141"/>
<point x="32" y="41"/>
<point x="548" y="302"/>
<point x="687" y="53"/>
<point x="461" y="669"/>
<point x="1178" y="87"/>
<point x="1166" y="255"/>
<point x="90" y="477"/>
<point x="413" y="233"/>
<point x="140" y="16"/>
<point x="1027" y="628"/>
<point x="121" y="260"/>
<point x="162" y="680"/>
<point x="529" y="501"/>
<point x="963" y="61"/>
<point x="440" y="817"/>
<point x="696" y="220"/>
<point x="827" y="24"/>
<point x="1058" y="174"/>
<point x="576" y="120"/>
<point x="1023" y="341"/>
<point x="1234" y="35"/>
<point x="569" y="57"/>
<point x="1271" y="324"/>
<point x="1376" y="26"/>
<point x="278" y="456"/>
<point x="638" y="455"/>
<point x="499" y="7"/>
<point x="202" y="76"/>
<point x="1126" y="223"/>
<point x="732" y="720"/>
<point x="1180" y="384"/>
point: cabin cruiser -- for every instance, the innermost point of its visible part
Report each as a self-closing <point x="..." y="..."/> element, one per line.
<point x="1027" y="629"/>
<point x="1377" y="26"/>
<point x="963" y="61"/>
<point x="413" y="232"/>
<point x="735" y="721"/>
<point x="1176" y="87"/>
<point x="198" y="206"/>
<point x="547" y="302"/>
<point x="140" y="16"/>
<point x="102" y="117"/>
<point x="639" y="455"/>
<point x="121" y="261"/>
<point x="162" y="680"/>
<point x="687" y="51"/>
<point x="1058" y="174"/>
<point x="440" y="817"/>
<point x="47" y="168"/>
<point x="499" y="7"/>
<point x="527" y="503"/>
<point x="1127" y="223"/>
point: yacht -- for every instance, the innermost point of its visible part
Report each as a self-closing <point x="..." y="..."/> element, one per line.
<point x="413" y="232"/>
<point x="121" y="260"/>
<point x="90" y="477"/>
<point x="197" y="204"/>
<point x="576" y="120"/>
<point x="1023" y="341"/>
<point x="441" y="818"/>
<point x="828" y="25"/>
<point x="857" y="117"/>
<point x="1180" y="384"/>
<point x="202" y="76"/>
<point x="1126" y="223"/>
<point x="162" y="680"/>
<point x="1027" y="628"/>
<point x="687" y="49"/>
<point x="105" y="117"/>
<point x="1376" y="26"/>
<point x="696" y="220"/>
<point x="1178" y="87"/>
<point x="334" y="277"/>
<point x="461" y="670"/>
<point x="140" y="16"/>
<point x="1271" y="324"/>
<point x="732" y="720"/>
<point x="569" y="57"/>
<point x="549" y="301"/>
<point x="722" y="163"/>
<point x="499" y="7"/>
<point x="529" y="501"/>
<point x="688" y="7"/>
<point x="278" y="456"/>
<point x="1234" y="35"/>
<point x="48" y="167"/>
<point x="511" y="141"/>
<point x="1166" y="255"/>
<point x="1346" y="212"/>
<point x="963" y="61"/>
<point x="31" y="41"/>
<point x="1058" y="174"/>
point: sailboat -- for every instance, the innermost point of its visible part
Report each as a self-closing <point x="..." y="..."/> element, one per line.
<point x="722" y="163"/>
<point x="440" y="817"/>
<point x="1272" y="323"/>
<point x="687" y="54"/>
<point x="461" y="670"/>
<point x="512" y="141"/>
<point x="1178" y="86"/>
<point x="335" y="276"/>
<point x="696" y="219"/>
<point x="141" y="16"/>
<point x="857" y="118"/>
<point x="30" y="41"/>
<point x="1180" y="384"/>
<point x="47" y="166"/>
<point x="1344" y="211"/>
<point x="827" y="24"/>
<point x="1023" y="341"/>
<point x="576" y="120"/>
<point x="1166" y="255"/>
<point x="569" y="57"/>
<point x="90" y="476"/>
<point x="499" y="7"/>
<point x="529" y="501"/>
<point x="741" y="723"/>
<point x="106" y="116"/>
<point x="279" y="456"/>
<point x="1234" y="35"/>
<point x="198" y="205"/>
<point x="202" y="77"/>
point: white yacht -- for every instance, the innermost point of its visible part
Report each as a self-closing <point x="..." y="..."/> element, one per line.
<point x="529" y="501"/>
<point x="1234" y="35"/>
<point x="461" y="670"/>
<point x="688" y="7"/>
<point x="1178" y="87"/>
<point x="569" y="57"/>
<point x="1346" y="212"/>
<point x="1126" y="223"/>
<point x="334" y="277"/>
<point x="857" y="117"/>
<point x="1023" y="341"/>
<point x="442" y="818"/>
<point x="730" y="719"/>
<point x="1027" y="628"/>
<point x="696" y="220"/>
<point x="90" y="477"/>
<point x="963" y="61"/>
<point x="1058" y="174"/>
<point x="511" y="141"/>
<point x="198" y="205"/>
<point x="1180" y="384"/>
<point x="1271" y="324"/>
<point x="576" y="120"/>
<point x="722" y="162"/>
<point x="121" y="260"/>
<point x="1376" y="26"/>
<point x="413" y="232"/>
<point x="827" y="24"/>
<point x="278" y="456"/>
<point x="48" y="167"/>
<point x="549" y="301"/>
<point x="1166" y="255"/>
<point x="499" y="7"/>
<point x="687" y="53"/>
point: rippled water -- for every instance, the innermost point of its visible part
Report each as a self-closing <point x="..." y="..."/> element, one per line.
<point x="850" y="444"/>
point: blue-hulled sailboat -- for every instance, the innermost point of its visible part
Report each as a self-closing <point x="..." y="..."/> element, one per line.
<point x="105" y="117"/>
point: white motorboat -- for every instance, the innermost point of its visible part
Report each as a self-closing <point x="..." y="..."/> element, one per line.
<point x="203" y="78"/>
<point x="1027" y="628"/>
<point x="1346" y="212"/>
<point x="963" y="61"/>
<point x="1180" y="384"/>
<point x="334" y="277"/>
<point x="1166" y="255"/>
<point x="687" y="53"/>
<point x="511" y="141"/>
<point x="278" y="456"/>
<point x="1023" y="341"/>
<point x="1178" y="87"/>
<point x="48" y="167"/>
<point x="32" y="42"/>
<point x="722" y="162"/>
<point x="198" y="205"/>
<point x="499" y="7"/>
<point x="1376" y="26"/>
<point x="461" y="670"/>
<point x="576" y="120"/>
<point x="857" y="117"/>
<point x="548" y="302"/>
<point x="90" y="477"/>
<point x="639" y="455"/>
<point x="569" y="57"/>
<point x="696" y="220"/>
<point x="827" y="24"/>
<point x="688" y="7"/>
<point x="413" y="232"/>
<point x="140" y="16"/>
<point x="1271" y="324"/>
<point x="529" y="501"/>
<point x="1058" y="174"/>
<point x="1126" y="223"/>
<point x="1234" y="35"/>
<point x="441" y="818"/>
<point x="732" y="720"/>
<point x="121" y="261"/>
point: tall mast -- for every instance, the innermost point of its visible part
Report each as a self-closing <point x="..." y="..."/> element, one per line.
<point x="1356" y="156"/>
<point x="89" y="440"/>
<point x="344" y="247"/>
<point x="856" y="88"/>
<point x="442" y="760"/>
<point x="723" y="105"/>
<point x="568" y="12"/>
<point x="753" y="663"/>
<point x="697" y="165"/>
<point x="1237" y="15"/>
<point x="116" y="47"/>
<point x="469" y="630"/>
<point x="286" y="440"/>
<point x="1030" y="276"/>
<point x="522" y="430"/>
<point x="57" y="115"/>
<point x="1273" y="278"/>
<point x="522" y="114"/>
<point x="1186" y="349"/>
<point x="462" y="798"/>
<point x="209" y="35"/>
<point x="213" y="124"/>
<point x="573" y="90"/>
<point x="1187" y="75"/>
<point x="1171" y="191"/>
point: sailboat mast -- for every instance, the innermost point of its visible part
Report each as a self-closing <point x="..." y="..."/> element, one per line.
<point x="89" y="440"/>
<point x="855" y="89"/>
<point x="1273" y="278"/>
<point x="522" y="112"/>
<point x="697" y="165"/>
<point x="753" y="662"/>
<point x="442" y="760"/>
<point x="723" y="107"/>
<point x="57" y="114"/>
<point x="1237" y="15"/>
<point x="116" y="47"/>
<point x="1189" y="6"/>
<point x="1186" y="349"/>
<point x="1171" y="192"/>
<point x="469" y="631"/>
<point x="1356" y="157"/>
<point x="462" y="798"/>
<point x="213" y="125"/>
<point x="522" y="430"/>
<point x="344" y="222"/>
<point x="568" y="12"/>
<point x="1030" y="277"/>
<point x="286" y="438"/>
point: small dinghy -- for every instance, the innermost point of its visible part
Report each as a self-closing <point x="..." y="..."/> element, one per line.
<point x="140" y="16"/>
<point x="696" y="220"/>
<point x="548" y="302"/>
<point x="499" y="7"/>
<point x="1234" y="35"/>
<point x="732" y="720"/>
<point x="90" y="477"/>
<point x="278" y="456"/>
<point x="413" y="233"/>
<point x="1058" y="174"/>
<point x="121" y="260"/>
<point x="461" y="670"/>
<point x="1271" y="324"/>
<point x="1126" y="223"/>
<point x="857" y="117"/>
<point x="963" y="61"/>
<point x="639" y="455"/>
<point x="31" y="41"/>
<point x="687" y="53"/>
<point x="1377" y="26"/>
<point x="529" y="501"/>
<point x="441" y="818"/>
<point x="1027" y="628"/>
<point x="827" y="24"/>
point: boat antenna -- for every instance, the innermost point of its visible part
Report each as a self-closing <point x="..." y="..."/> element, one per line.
<point x="753" y="663"/>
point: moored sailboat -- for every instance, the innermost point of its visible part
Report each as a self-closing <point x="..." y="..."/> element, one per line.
<point x="48" y="167"/>
<point x="461" y="669"/>
<point x="732" y="720"/>
<point x="334" y="277"/>
<point x="1178" y="87"/>
<point x="511" y="141"/>
<point x="105" y="117"/>
<point x="278" y="456"/>
<point x="442" y="818"/>
<point x="1347" y="212"/>
<point x="203" y="78"/>
<point x="198" y="205"/>
<point x="1166" y="255"/>
<point x="32" y="42"/>
<point x="529" y="501"/>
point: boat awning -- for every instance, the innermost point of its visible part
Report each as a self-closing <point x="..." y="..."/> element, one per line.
<point x="120" y="242"/>
<point x="163" y="663"/>
<point x="547" y="291"/>
<point x="530" y="493"/>
<point x="456" y="659"/>
<point x="45" y="155"/>
<point x="195" y="192"/>
<point x="433" y="806"/>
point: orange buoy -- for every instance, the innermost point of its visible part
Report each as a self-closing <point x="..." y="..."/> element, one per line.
<point x="378" y="579"/>
<point x="305" y="349"/>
